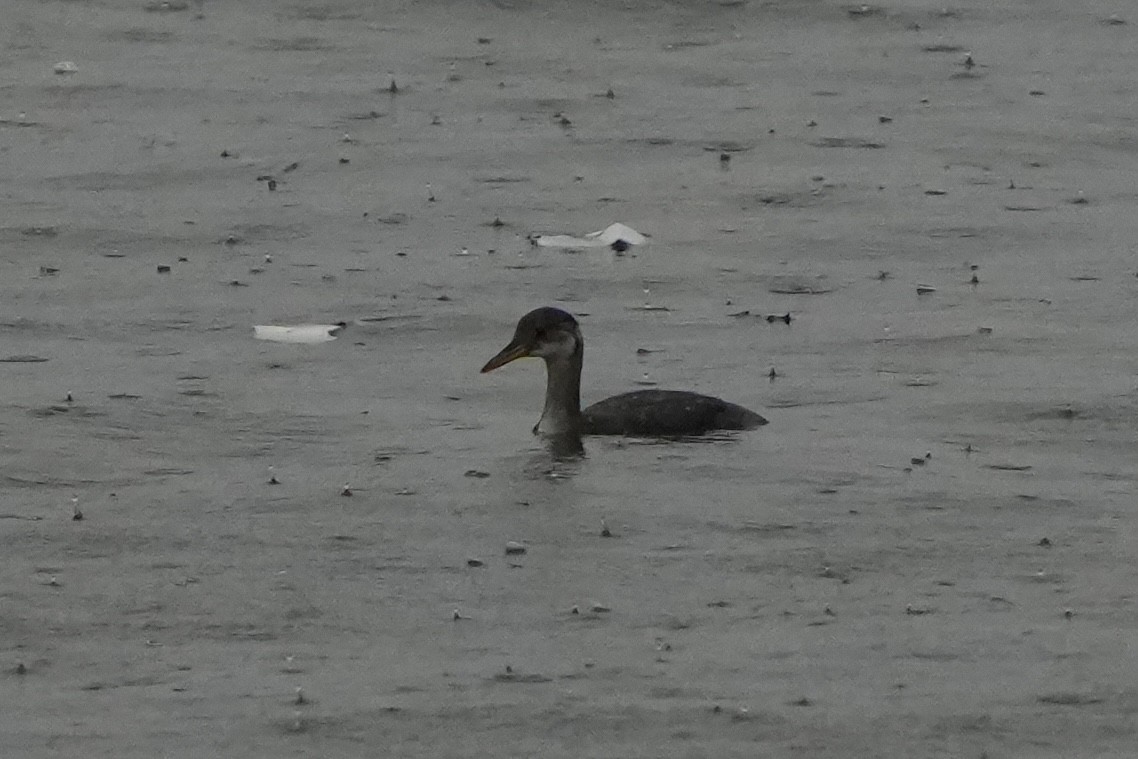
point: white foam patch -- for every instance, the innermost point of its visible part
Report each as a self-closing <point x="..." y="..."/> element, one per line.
<point x="297" y="333"/>
<point x="599" y="239"/>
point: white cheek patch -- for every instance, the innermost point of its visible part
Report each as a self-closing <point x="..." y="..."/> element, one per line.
<point x="562" y="347"/>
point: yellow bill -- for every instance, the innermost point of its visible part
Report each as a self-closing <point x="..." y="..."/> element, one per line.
<point x="511" y="352"/>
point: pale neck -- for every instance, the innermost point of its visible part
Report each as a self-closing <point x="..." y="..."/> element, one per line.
<point x="562" y="412"/>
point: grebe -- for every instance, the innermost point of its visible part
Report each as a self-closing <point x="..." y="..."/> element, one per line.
<point x="553" y="335"/>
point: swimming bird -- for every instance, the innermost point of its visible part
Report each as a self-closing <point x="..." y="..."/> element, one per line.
<point x="554" y="336"/>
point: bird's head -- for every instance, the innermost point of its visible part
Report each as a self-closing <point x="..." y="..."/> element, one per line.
<point x="548" y="333"/>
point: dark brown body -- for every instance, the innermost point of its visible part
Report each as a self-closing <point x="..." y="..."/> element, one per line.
<point x="666" y="413"/>
<point x="554" y="336"/>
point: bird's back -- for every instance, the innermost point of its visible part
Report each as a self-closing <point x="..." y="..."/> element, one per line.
<point x="666" y="413"/>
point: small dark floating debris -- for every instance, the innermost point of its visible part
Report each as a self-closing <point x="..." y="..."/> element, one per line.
<point x="163" y="269"/>
<point x="1069" y="699"/>
<point x="514" y="677"/>
<point x="1010" y="467"/>
<point x="500" y="179"/>
<point x="168" y="471"/>
<point x="476" y="473"/>
<point x="291" y="167"/>
<point x="23" y="359"/>
<point x="847" y="142"/>
<point x="366" y="116"/>
<point x="798" y="288"/>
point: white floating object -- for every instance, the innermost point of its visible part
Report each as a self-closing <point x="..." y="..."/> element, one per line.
<point x="599" y="239"/>
<point x="618" y="231"/>
<point x="66" y="67"/>
<point x="299" y="333"/>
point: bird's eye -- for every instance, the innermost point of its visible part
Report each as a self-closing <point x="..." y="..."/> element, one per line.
<point x="539" y="335"/>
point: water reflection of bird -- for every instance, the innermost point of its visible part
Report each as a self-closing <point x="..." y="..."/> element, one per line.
<point x="553" y="335"/>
